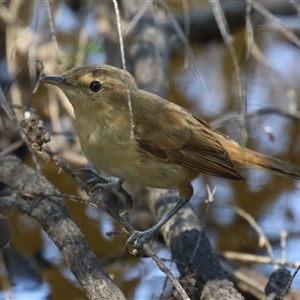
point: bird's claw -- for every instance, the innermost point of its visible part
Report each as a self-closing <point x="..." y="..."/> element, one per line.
<point x="101" y="180"/>
<point x="112" y="182"/>
<point x="105" y="182"/>
<point x="138" y="239"/>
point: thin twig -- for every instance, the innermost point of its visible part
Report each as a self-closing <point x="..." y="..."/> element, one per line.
<point x="285" y="30"/>
<point x="40" y="67"/>
<point x="137" y="17"/>
<point x="52" y="32"/>
<point x="124" y="67"/>
<point x="249" y="28"/>
<point x="167" y="271"/>
<point x="188" y="49"/>
<point x="296" y="5"/>
<point x="12" y="117"/>
<point x="235" y="117"/>
<point x="228" y="39"/>
<point x="286" y="289"/>
<point x="263" y="240"/>
<point x="259" y="259"/>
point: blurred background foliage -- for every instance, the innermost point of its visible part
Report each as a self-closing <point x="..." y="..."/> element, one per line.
<point x="201" y="76"/>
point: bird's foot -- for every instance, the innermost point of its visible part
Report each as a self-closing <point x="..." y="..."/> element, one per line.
<point x="111" y="182"/>
<point x="103" y="181"/>
<point x="100" y="180"/>
<point x="138" y="239"/>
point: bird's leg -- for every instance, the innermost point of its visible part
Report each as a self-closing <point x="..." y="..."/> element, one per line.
<point x="138" y="238"/>
<point x="104" y="181"/>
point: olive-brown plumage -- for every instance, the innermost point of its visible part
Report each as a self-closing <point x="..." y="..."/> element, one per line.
<point x="169" y="146"/>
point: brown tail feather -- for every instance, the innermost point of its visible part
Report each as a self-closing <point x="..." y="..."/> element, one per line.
<point x="257" y="160"/>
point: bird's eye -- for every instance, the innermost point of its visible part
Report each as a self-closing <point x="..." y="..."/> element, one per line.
<point x="95" y="86"/>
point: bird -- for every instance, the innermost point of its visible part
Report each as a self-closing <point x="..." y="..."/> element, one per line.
<point x="142" y="138"/>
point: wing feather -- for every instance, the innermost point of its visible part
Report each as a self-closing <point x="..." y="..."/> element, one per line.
<point x="174" y="135"/>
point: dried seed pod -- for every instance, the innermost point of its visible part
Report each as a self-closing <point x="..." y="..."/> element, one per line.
<point x="35" y="132"/>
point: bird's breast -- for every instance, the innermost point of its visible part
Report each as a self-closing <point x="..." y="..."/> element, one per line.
<point x="111" y="149"/>
<point x="121" y="157"/>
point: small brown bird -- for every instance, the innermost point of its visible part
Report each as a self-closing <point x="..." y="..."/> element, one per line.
<point x="169" y="146"/>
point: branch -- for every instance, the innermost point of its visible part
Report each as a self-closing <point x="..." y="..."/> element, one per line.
<point x="201" y="273"/>
<point x="56" y="221"/>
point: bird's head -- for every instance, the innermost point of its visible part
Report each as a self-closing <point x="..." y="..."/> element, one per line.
<point x="95" y="85"/>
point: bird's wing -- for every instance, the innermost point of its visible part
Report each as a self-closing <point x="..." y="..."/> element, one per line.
<point x="174" y="135"/>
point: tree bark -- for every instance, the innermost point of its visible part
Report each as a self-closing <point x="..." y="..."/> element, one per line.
<point x="38" y="198"/>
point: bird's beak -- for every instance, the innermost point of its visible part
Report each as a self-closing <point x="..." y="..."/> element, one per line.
<point x="59" y="81"/>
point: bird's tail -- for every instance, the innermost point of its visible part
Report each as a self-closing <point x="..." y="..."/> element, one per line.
<point x="257" y="160"/>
